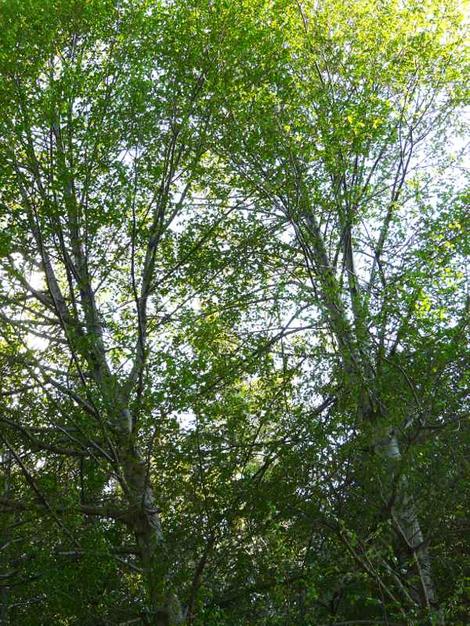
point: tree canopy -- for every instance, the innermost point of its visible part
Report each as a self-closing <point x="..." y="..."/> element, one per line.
<point x="233" y="312"/>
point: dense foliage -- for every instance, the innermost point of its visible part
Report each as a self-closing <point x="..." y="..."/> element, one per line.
<point x="233" y="312"/>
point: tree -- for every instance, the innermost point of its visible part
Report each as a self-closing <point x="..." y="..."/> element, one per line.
<point x="233" y="311"/>
<point x="340" y="152"/>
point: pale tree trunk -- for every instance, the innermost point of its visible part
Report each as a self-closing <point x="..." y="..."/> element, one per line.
<point x="354" y="346"/>
<point x="164" y="606"/>
<point x="144" y="520"/>
<point x="407" y="524"/>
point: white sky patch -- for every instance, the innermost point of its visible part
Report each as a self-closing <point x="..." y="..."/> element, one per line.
<point x="33" y="342"/>
<point x="36" y="343"/>
<point x="36" y="280"/>
<point x="186" y="419"/>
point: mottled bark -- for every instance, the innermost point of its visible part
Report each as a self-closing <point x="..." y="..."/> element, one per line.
<point x="145" y="523"/>
<point x="407" y="524"/>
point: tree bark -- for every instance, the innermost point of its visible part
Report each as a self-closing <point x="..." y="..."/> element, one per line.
<point x="406" y="521"/>
<point x="145" y="523"/>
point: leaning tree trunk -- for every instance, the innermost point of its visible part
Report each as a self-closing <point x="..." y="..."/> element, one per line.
<point x="164" y="608"/>
<point x="406" y="521"/>
<point x="354" y="345"/>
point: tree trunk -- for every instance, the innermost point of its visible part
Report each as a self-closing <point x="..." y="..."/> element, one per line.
<point x="164" y="606"/>
<point x="406" y="520"/>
